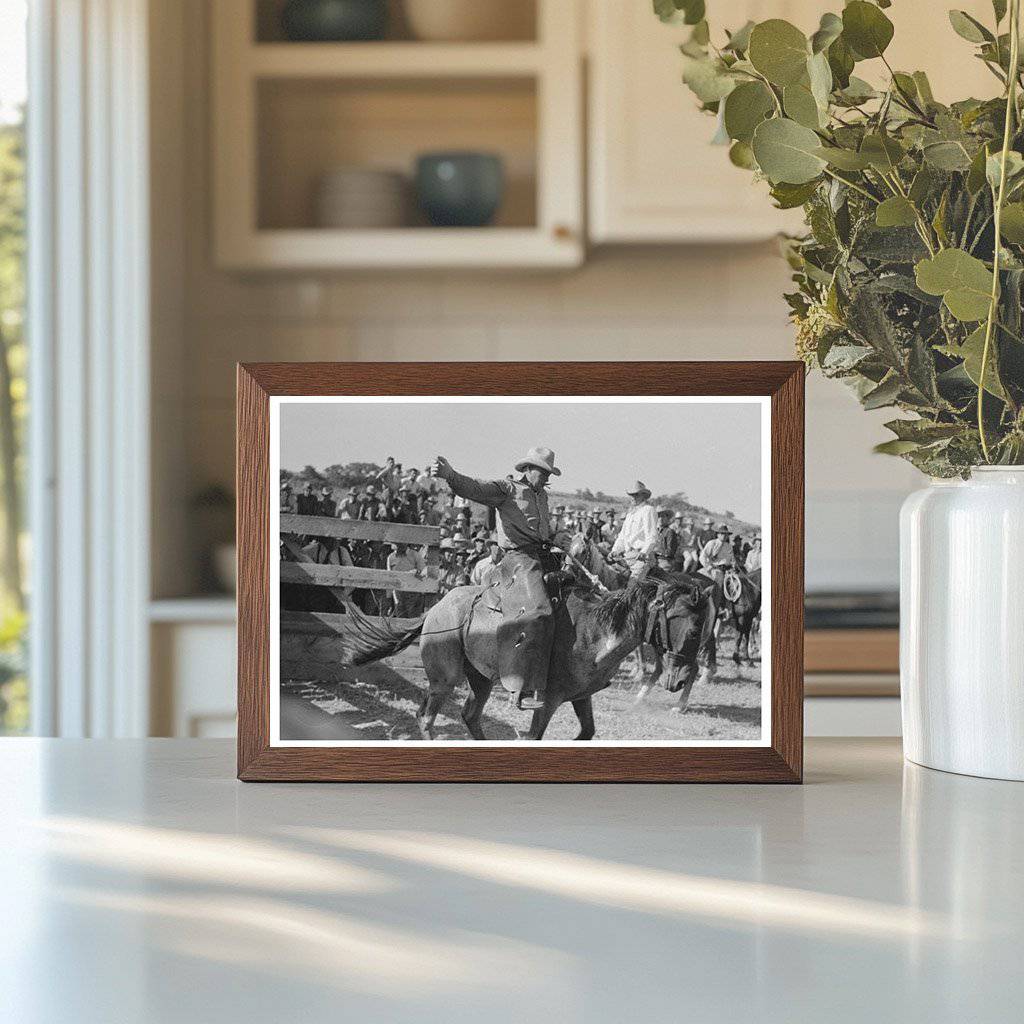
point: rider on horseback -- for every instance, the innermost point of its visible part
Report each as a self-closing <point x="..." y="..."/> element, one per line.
<point x="717" y="556"/>
<point x="524" y="532"/>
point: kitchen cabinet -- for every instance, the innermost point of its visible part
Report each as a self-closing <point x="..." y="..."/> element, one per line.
<point x="288" y="114"/>
<point x="654" y="177"/>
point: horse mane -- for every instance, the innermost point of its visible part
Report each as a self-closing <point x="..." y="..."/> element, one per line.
<point x="369" y="640"/>
<point x="626" y="610"/>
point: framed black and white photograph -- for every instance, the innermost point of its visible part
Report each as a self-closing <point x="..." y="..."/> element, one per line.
<point x="590" y="580"/>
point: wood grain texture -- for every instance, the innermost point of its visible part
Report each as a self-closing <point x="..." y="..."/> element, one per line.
<point x="780" y="762"/>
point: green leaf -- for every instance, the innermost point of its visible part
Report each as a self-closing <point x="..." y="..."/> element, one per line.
<point x="922" y="185"/>
<point x="924" y="88"/>
<point x="739" y="41"/>
<point x="819" y="74"/>
<point x="993" y="167"/>
<point x="741" y="155"/>
<point x="788" y="196"/>
<point x="895" y="212"/>
<point x="857" y="91"/>
<point x="829" y="30"/>
<point x="690" y="12"/>
<point x="923" y="431"/>
<point x="969" y="28"/>
<point x="895" y="447"/>
<point x="947" y="156"/>
<point x="963" y="281"/>
<point x="971" y="352"/>
<point x="779" y="51"/>
<point x="841" y="63"/>
<point x="801" y="106"/>
<point x="844" y="159"/>
<point x="745" y="108"/>
<point x="787" y="151"/>
<point x="882" y="151"/>
<point x="885" y="394"/>
<point x="866" y="29"/>
<point x="1012" y="224"/>
<point x="976" y="173"/>
<point x="707" y="78"/>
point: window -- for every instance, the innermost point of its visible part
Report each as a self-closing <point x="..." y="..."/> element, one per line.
<point x="14" y="692"/>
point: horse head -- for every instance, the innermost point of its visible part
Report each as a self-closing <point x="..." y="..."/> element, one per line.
<point x="681" y="619"/>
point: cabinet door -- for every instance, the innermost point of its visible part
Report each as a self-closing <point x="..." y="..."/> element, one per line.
<point x="654" y="177"/>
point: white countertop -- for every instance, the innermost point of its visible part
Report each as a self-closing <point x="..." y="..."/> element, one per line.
<point x="140" y="882"/>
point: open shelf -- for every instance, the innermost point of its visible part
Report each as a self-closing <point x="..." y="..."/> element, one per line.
<point x="520" y="23"/>
<point x="286" y="114"/>
<point x="392" y="60"/>
<point x="308" y="127"/>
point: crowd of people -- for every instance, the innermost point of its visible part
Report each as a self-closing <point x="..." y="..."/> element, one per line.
<point x="469" y="549"/>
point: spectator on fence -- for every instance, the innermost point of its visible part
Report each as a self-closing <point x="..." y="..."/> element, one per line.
<point x="307" y="503"/>
<point x="390" y="477"/>
<point x="371" y="508"/>
<point x="349" y="508"/>
<point x="404" y="558"/>
<point x="327" y="506"/>
<point x="287" y="498"/>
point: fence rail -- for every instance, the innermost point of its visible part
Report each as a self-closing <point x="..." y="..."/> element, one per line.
<point x="314" y="574"/>
<point x="332" y="624"/>
<point x="360" y="529"/>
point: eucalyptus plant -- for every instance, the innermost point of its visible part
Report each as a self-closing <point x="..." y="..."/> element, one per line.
<point x="910" y="277"/>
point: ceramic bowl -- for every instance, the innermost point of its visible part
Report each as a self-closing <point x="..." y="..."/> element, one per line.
<point x="333" y="21"/>
<point x="460" y="189"/>
<point x="470" y="20"/>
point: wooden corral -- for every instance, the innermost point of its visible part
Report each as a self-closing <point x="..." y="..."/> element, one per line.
<point x="312" y="643"/>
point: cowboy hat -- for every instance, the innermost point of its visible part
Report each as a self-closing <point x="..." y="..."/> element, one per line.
<point x="539" y="458"/>
<point x="639" y="488"/>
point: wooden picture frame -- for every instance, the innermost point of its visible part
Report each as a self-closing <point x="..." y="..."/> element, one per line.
<point x="779" y="760"/>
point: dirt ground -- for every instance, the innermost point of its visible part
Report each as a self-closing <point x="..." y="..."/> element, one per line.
<point x="380" y="701"/>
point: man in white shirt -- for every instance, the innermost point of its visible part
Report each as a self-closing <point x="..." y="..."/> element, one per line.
<point x="754" y="555"/>
<point x="639" y="533"/>
<point x="717" y="555"/>
<point x="486" y="569"/>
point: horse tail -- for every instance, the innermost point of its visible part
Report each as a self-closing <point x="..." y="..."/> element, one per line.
<point x="367" y="640"/>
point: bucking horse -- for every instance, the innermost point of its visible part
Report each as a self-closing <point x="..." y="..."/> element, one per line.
<point x="594" y="631"/>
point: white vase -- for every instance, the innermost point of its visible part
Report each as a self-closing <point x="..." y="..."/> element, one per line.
<point x="962" y="624"/>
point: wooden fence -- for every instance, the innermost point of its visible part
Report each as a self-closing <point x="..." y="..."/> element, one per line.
<point x="304" y="571"/>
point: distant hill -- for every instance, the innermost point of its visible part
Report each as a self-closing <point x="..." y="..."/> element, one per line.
<point x="359" y="474"/>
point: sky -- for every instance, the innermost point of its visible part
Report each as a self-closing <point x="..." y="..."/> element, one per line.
<point x="12" y="57"/>
<point x="710" y="451"/>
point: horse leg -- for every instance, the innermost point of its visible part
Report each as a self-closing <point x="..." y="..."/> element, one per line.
<point x="429" y="708"/>
<point x="443" y="668"/>
<point x="480" y="689"/>
<point x="542" y="716"/>
<point x="584" y="708"/>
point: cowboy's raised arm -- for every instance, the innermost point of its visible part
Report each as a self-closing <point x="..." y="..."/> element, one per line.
<point x="486" y="492"/>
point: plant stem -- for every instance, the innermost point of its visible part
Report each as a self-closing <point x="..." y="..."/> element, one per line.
<point x="1011" y="108"/>
<point x="853" y="185"/>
